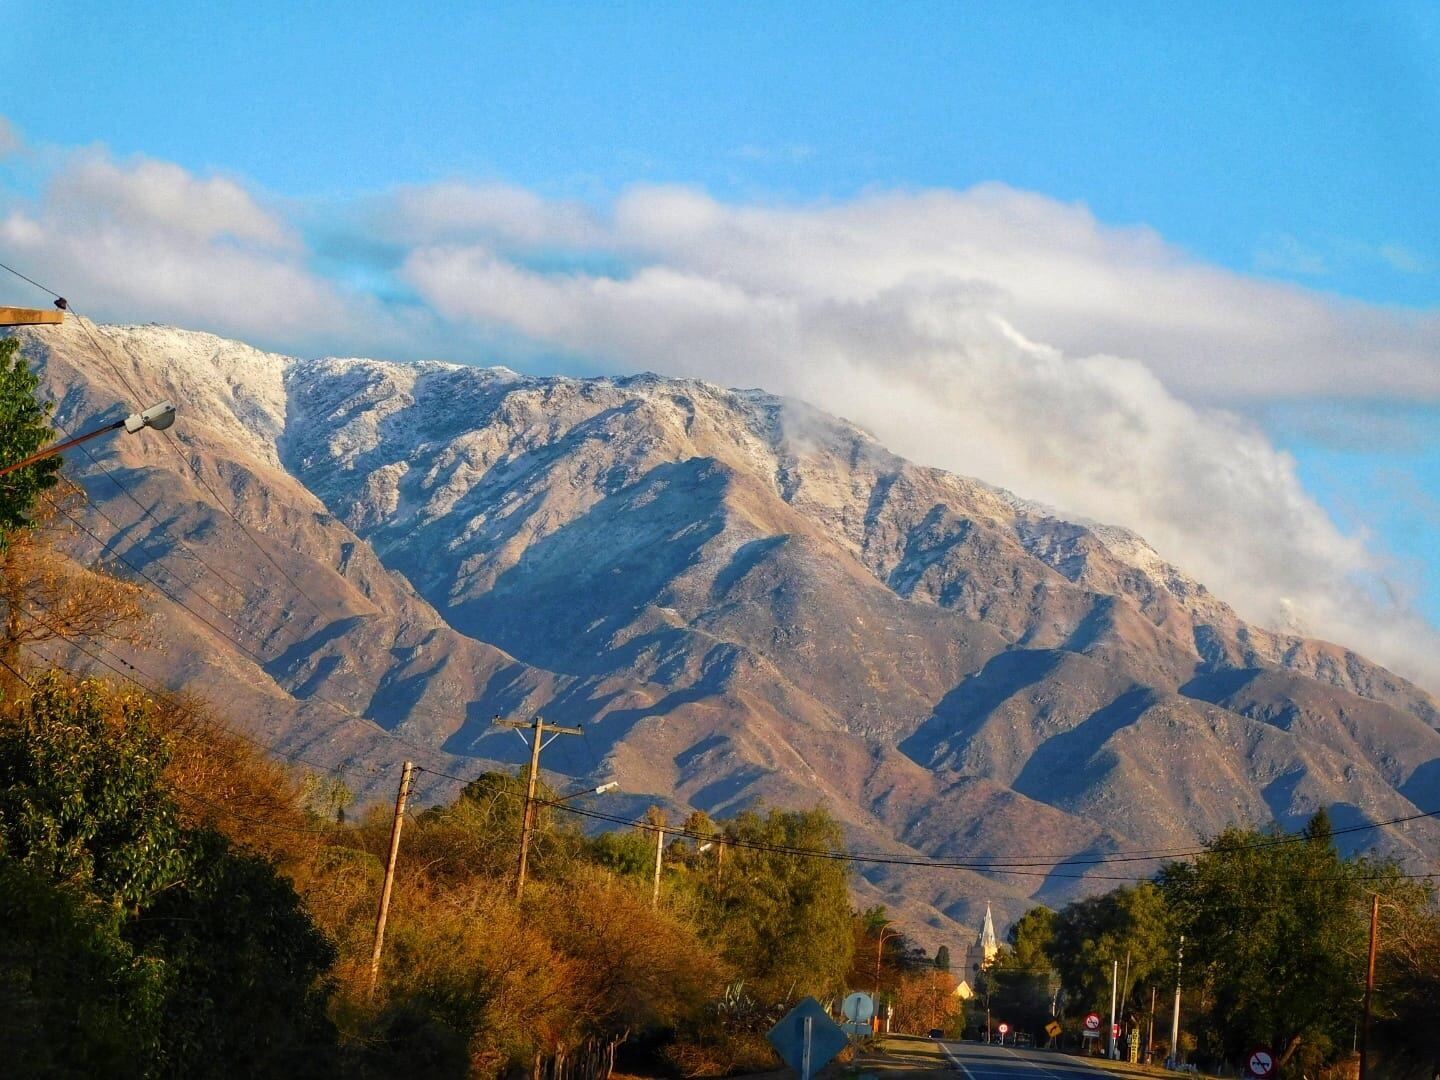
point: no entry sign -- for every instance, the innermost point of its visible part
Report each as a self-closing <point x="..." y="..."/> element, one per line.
<point x="1261" y="1063"/>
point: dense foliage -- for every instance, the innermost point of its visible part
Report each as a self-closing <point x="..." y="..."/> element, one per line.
<point x="22" y="432"/>
<point x="1275" y="934"/>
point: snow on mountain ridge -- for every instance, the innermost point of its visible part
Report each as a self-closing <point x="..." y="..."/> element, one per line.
<point x="277" y="401"/>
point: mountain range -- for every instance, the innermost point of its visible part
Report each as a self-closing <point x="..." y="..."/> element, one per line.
<point x="741" y="599"/>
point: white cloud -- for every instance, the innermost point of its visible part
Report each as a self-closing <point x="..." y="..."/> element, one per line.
<point x="915" y="316"/>
<point x="497" y="212"/>
<point x="992" y="332"/>
<point x="149" y="240"/>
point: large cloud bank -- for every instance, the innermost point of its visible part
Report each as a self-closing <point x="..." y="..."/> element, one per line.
<point x="993" y="332"/>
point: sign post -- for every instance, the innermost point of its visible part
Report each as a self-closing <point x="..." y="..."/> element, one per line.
<point x="806" y="1038"/>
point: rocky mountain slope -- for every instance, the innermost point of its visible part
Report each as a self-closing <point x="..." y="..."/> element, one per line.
<point x="742" y="599"/>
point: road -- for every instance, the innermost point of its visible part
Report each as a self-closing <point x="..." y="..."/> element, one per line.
<point x="976" y="1061"/>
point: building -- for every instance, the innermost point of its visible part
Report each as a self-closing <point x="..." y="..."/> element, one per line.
<point x="980" y="952"/>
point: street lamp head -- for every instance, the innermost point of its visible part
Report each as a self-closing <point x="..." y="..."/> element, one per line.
<point x="603" y="788"/>
<point x="159" y="417"/>
<point x="706" y="846"/>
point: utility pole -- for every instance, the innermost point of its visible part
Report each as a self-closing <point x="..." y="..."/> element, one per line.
<point x="1114" y="980"/>
<point x="1369" y="985"/>
<point x="1175" y="1023"/>
<point x="538" y="742"/>
<point x="659" y="857"/>
<point x="384" y="911"/>
<point x="1150" y="1034"/>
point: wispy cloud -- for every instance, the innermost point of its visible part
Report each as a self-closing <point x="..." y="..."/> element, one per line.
<point x="786" y="154"/>
<point x="933" y="318"/>
<point x="10" y="141"/>
<point x="145" y="238"/>
<point x="994" y="332"/>
<point x="1287" y="255"/>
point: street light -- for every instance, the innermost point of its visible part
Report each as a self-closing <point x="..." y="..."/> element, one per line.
<point x="159" y="417"/>
<point x="601" y="790"/>
<point x="879" y="952"/>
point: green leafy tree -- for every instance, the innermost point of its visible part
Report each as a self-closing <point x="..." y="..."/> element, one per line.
<point x="75" y="998"/>
<point x="780" y="920"/>
<point x="1093" y="934"/>
<point x="942" y="958"/>
<point x="22" y="432"/>
<point x="1032" y="940"/>
<point x="223" y="968"/>
<point x="1274" y="932"/>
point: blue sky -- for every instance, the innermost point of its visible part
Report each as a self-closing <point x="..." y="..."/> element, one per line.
<point x="1271" y="143"/>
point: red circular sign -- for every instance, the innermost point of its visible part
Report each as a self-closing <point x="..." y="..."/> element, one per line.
<point x="1115" y="1030"/>
<point x="1092" y="1022"/>
<point x="1261" y="1063"/>
<point x="1004" y="1029"/>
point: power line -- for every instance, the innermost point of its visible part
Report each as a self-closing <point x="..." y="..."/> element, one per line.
<point x="873" y="858"/>
<point x="32" y="281"/>
<point x="146" y="512"/>
<point x="195" y="469"/>
<point x="185" y="586"/>
<point x="166" y="592"/>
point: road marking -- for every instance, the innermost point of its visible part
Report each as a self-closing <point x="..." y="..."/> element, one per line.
<point x="958" y="1063"/>
<point x="1079" y="1065"/>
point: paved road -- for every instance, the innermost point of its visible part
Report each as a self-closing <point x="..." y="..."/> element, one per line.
<point x="976" y="1061"/>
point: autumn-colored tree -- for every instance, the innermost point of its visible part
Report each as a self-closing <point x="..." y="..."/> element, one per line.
<point x="46" y="596"/>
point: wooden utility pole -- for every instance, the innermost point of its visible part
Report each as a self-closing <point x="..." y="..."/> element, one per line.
<point x="1369" y="985"/>
<point x="538" y="729"/>
<point x="659" y="857"/>
<point x="384" y="911"/>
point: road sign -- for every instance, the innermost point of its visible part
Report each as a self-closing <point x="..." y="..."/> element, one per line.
<point x="858" y="1006"/>
<point x="1053" y="1029"/>
<point x="1092" y="1022"/>
<point x="1004" y="1029"/>
<point x="806" y="1038"/>
<point x="1261" y="1063"/>
<point x="1114" y="1031"/>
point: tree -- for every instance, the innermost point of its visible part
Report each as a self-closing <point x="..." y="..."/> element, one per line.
<point x="1407" y="998"/>
<point x="47" y="596"/>
<point x="942" y="958"/>
<point x="778" y="918"/>
<point x="229" y="965"/>
<point x="1032" y="940"/>
<point x="1093" y="934"/>
<point x="22" y="432"/>
<point x="1275" y="932"/>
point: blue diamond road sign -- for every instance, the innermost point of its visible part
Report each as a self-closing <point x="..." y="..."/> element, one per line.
<point x="788" y="1038"/>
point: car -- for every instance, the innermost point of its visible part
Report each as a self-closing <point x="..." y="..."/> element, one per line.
<point x="1022" y="1038"/>
<point x="937" y="1033"/>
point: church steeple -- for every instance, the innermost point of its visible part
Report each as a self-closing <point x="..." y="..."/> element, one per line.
<point x="988" y="945"/>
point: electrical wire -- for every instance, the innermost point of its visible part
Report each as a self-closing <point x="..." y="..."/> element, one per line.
<point x="877" y="858"/>
<point x="1015" y="867"/>
<point x="85" y="324"/>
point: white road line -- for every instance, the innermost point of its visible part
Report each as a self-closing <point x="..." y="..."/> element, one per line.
<point x="1032" y="1064"/>
<point x="957" y="1062"/>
